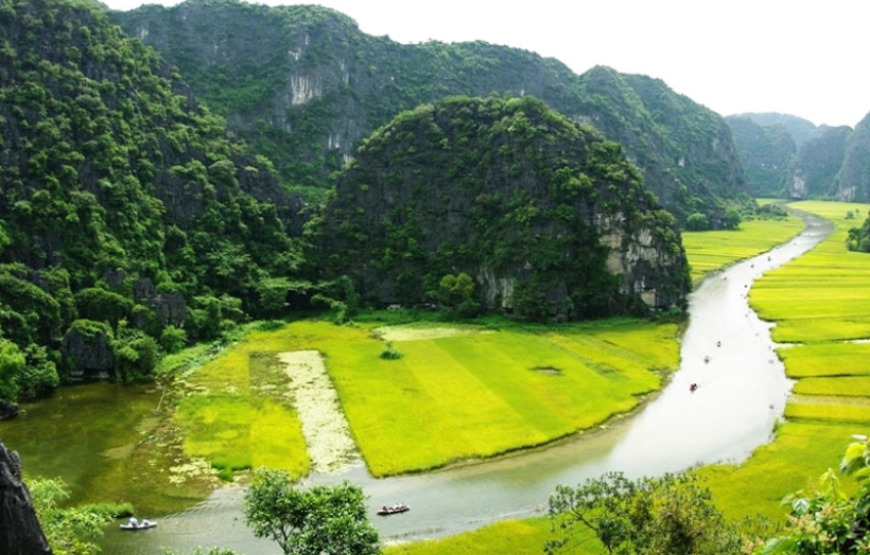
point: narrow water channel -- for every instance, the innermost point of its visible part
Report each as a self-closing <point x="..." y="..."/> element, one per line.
<point x="726" y="350"/>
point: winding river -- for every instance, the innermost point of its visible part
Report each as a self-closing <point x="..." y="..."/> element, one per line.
<point x="726" y="350"/>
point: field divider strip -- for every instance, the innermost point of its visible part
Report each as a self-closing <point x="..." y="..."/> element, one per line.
<point x="327" y="433"/>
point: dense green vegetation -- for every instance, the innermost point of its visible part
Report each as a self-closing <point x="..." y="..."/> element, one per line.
<point x="304" y="85"/>
<point x="765" y="152"/>
<point x="814" y="171"/>
<point x="541" y="211"/>
<point x="854" y="176"/>
<point x="671" y="514"/>
<point x="830" y="162"/>
<point x="126" y="211"/>
<point x="71" y="530"/>
<point x="309" y="521"/>
<point x="132" y="224"/>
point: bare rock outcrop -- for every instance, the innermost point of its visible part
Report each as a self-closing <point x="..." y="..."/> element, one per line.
<point x="20" y="533"/>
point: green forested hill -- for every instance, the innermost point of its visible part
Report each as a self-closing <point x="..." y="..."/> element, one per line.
<point x="304" y="85"/>
<point x="854" y="177"/>
<point x="799" y="128"/>
<point x="544" y="215"/>
<point x="126" y="212"/>
<point x="765" y="152"/>
<point x="814" y="171"/>
<point x="831" y="162"/>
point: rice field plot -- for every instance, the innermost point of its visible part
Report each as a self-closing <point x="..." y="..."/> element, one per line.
<point x="829" y="409"/>
<point x="843" y="386"/>
<point x="470" y="396"/>
<point x="449" y="398"/>
<point x="711" y="250"/>
<point x="826" y="359"/>
<point x="815" y="300"/>
<point x="800" y="453"/>
<point x="517" y="537"/>
<point x="820" y="296"/>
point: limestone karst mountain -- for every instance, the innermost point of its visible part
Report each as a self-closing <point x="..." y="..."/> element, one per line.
<point x="304" y="85"/>
<point x="545" y="215"/>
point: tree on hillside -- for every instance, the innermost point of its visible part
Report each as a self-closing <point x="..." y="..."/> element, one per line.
<point x="670" y="515"/>
<point x="321" y="519"/>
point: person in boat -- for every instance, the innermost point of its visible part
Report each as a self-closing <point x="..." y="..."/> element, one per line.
<point x="693" y="387"/>
<point x="133" y="522"/>
<point x="145" y="523"/>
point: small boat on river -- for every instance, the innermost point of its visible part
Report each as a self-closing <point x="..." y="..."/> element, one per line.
<point x="144" y="525"/>
<point x="393" y="509"/>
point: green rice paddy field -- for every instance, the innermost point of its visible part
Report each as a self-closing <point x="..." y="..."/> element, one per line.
<point x="471" y="395"/>
<point x="711" y="250"/>
<point x="817" y="301"/>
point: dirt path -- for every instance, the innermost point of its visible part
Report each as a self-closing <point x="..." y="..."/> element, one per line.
<point x="330" y="445"/>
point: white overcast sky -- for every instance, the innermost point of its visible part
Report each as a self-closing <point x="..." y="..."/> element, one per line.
<point x="801" y="57"/>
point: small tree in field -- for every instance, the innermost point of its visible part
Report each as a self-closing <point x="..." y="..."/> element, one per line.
<point x="313" y="521"/>
<point x="669" y="515"/>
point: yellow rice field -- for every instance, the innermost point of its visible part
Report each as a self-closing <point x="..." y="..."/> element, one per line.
<point x="818" y="302"/>
<point x="812" y="301"/>
<point x="450" y="397"/>
<point x="708" y="251"/>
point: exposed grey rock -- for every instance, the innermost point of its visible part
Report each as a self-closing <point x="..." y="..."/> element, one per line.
<point x="170" y="309"/>
<point x="20" y="533"/>
<point x="115" y="278"/>
<point x="143" y="289"/>
<point x="8" y="410"/>
<point x="90" y="351"/>
<point x="814" y="171"/>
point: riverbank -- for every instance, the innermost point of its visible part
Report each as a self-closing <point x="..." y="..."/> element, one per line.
<point x="719" y="419"/>
<point x="818" y="304"/>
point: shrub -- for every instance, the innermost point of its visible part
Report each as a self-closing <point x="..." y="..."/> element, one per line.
<point x="390" y="352"/>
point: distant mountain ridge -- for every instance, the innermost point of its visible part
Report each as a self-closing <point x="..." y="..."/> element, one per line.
<point x="799" y="128"/>
<point x="304" y="85"/>
<point x="766" y="152"/>
<point x="829" y="162"/>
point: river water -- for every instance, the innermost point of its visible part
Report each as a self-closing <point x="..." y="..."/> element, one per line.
<point x="741" y="392"/>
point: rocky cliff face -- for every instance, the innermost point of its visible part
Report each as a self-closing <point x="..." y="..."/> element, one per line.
<point x="854" y="176"/>
<point x="766" y="152"/>
<point x="814" y="170"/>
<point x="305" y="86"/>
<point x="543" y="213"/>
<point x="87" y="346"/>
<point x="20" y="533"/>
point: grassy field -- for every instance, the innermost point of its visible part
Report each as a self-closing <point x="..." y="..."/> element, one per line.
<point x="711" y="250"/>
<point x="447" y="399"/>
<point x="516" y="537"/>
<point x="823" y="295"/>
<point x="817" y="301"/>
